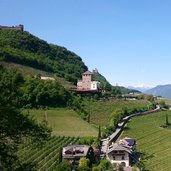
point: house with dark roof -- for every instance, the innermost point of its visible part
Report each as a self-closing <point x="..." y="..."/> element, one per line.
<point x="73" y="153"/>
<point x="122" y="152"/>
<point x="128" y="142"/>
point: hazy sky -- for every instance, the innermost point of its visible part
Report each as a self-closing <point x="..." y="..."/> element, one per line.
<point x="128" y="41"/>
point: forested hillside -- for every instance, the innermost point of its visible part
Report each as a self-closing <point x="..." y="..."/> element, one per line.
<point x="17" y="47"/>
<point x="26" y="49"/>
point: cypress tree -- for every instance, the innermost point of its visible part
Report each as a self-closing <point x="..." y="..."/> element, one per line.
<point x="99" y="133"/>
<point x="167" y="120"/>
<point x="60" y="155"/>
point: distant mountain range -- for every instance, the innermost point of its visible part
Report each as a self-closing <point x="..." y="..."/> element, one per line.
<point x="160" y="90"/>
<point x="141" y="89"/>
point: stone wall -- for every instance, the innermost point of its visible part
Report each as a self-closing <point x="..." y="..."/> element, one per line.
<point x="19" y="27"/>
<point x="121" y="125"/>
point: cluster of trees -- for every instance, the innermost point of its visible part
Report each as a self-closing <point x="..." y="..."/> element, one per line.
<point x="41" y="93"/>
<point x="84" y="165"/>
<point x="14" y="126"/>
<point x="32" y="92"/>
<point x="26" y="49"/>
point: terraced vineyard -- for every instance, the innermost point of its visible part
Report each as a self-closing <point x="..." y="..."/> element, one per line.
<point x="152" y="140"/>
<point x="101" y="110"/>
<point x="45" y="158"/>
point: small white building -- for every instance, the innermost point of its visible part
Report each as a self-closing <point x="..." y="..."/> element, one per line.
<point x="122" y="152"/>
<point x="119" y="155"/>
<point x="95" y="85"/>
<point x="79" y="84"/>
<point x="47" y="78"/>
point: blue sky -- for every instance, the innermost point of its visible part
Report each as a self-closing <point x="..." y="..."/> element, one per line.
<point x="128" y="41"/>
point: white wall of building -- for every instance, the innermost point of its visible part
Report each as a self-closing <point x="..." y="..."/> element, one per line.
<point x="95" y="85"/>
<point x="118" y="158"/>
<point x="47" y="78"/>
<point x="79" y="84"/>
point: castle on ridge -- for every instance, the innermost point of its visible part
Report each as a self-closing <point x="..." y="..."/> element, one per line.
<point x="19" y="27"/>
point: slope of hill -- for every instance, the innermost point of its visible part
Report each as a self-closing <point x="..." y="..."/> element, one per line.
<point x="31" y="55"/>
<point x="26" y="70"/>
<point x="153" y="141"/>
<point x="161" y="90"/>
<point x="25" y="49"/>
<point x="107" y="86"/>
<point x="64" y="122"/>
<point x="98" y="77"/>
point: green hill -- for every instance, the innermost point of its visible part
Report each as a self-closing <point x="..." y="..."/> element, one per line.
<point x="25" y="49"/>
<point x="33" y="56"/>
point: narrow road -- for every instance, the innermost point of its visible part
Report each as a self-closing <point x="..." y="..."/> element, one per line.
<point x="120" y="126"/>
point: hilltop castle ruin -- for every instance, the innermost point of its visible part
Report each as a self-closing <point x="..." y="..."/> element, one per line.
<point x="19" y="27"/>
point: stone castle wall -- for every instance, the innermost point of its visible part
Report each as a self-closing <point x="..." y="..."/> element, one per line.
<point x="19" y="27"/>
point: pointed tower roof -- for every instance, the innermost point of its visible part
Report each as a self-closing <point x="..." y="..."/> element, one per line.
<point x="87" y="73"/>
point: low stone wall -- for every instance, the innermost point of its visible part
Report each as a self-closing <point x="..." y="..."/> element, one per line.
<point x="121" y="125"/>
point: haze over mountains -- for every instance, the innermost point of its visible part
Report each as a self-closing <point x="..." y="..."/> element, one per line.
<point x="140" y="88"/>
<point x="161" y="90"/>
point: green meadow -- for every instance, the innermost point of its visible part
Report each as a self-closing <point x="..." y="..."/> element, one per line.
<point x="64" y="122"/>
<point x="100" y="111"/>
<point x="152" y="140"/>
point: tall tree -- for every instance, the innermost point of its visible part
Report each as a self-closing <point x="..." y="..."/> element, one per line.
<point x="99" y="133"/>
<point x="60" y="155"/>
<point x="167" y="120"/>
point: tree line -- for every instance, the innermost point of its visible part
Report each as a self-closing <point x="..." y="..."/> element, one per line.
<point x="32" y="92"/>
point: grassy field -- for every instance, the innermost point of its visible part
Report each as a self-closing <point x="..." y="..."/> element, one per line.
<point x="100" y="111"/>
<point x="152" y="139"/>
<point x="65" y="122"/>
